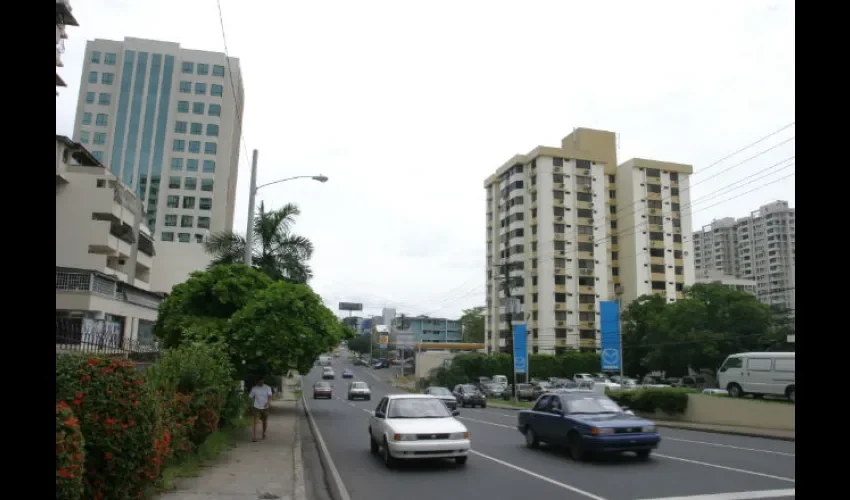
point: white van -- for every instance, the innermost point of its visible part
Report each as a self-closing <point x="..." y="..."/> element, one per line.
<point x="325" y="360"/>
<point x="759" y="373"/>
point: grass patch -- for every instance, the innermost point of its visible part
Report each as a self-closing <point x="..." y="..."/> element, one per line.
<point x="216" y="444"/>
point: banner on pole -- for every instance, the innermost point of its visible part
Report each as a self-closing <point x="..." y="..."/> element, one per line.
<point x="609" y="342"/>
<point x="521" y="348"/>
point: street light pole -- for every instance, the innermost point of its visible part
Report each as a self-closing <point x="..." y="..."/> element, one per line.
<point x="249" y="233"/>
<point x="252" y="195"/>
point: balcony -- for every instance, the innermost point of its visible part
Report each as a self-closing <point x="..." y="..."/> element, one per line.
<point x="584" y="221"/>
<point x="586" y="289"/>
<point x="560" y="237"/>
<point x="657" y="244"/>
<point x="585" y="255"/>
<point x="587" y="325"/>
<point x="560" y="289"/>
<point x="654" y="211"/>
<point x="658" y="277"/>
<point x="656" y="261"/>
<point x="560" y="306"/>
<point x="655" y="228"/>
<point x="653" y="196"/>
<point x="582" y="187"/>
<point x="586" y="271"/>
<point x="585" y="204"/>
<point x="679" y="262"/>
<point x="587" y="343"/>
<point x="587" y="307"/>
<point x="559" y="186"/>
<point x="560" y="271"/>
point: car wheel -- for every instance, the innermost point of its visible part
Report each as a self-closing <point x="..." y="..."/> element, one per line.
<point x="368" y="398"/>
<point x="373" y="446"/>
<point x="531" y="439"/>
<point x="389" y="460"/>
<point x="734" y="390"/>
<point x="643" y="454"/>
<point x="574" y="444"/>
<point x="461" y="460"/>
<point x="791" y="394"/>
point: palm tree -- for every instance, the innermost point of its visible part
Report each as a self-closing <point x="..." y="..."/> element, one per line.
<point x="277" y="251"/>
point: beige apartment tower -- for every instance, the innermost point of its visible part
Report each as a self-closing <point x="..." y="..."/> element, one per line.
<point x="551" y="215"/>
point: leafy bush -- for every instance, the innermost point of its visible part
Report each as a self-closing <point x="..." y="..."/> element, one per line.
<point x="203" y="375"/>
<point x="670" y="401"/>
<point x="124" y="441"/>
<point x="468" y="367"/>
<point x="70" y="454"/>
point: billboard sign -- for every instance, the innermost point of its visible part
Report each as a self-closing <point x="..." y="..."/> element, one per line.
<point x="521" y="348"/>
<point x="383" y="341"/>
<point x="404" y="340"/>
<point x="609" y="318"/>
<point x="350" y="306"/>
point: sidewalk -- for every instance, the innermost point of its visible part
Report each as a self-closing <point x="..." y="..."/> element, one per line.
<point x="734" y="430"/>
<point x="267" y="469"/>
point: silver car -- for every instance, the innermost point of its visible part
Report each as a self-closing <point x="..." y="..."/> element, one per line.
<point x="359" y="390"/>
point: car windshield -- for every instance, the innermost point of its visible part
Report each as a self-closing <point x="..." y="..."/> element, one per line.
<point x="469" y="388"/>
<point x="592" y="403"/>
<point x="322" y="385"/>
<point x="439" y="391"/>
<point x="417" y="408"/>
<point x="359" y="385"/>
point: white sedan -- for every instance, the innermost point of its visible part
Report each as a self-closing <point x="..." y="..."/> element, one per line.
<point x="417" y="426"/>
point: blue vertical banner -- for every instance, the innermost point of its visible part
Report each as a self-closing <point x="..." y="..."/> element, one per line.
<point x="609" y="319"/>
<point x="521" y="348"/>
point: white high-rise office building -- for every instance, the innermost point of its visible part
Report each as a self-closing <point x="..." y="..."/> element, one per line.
<point x="167" y="122"/>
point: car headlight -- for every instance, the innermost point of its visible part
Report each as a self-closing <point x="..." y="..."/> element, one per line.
<point x="459" y="435"/>
<point x="404" y="437"/>
<point x="483" y="396"/>
<point x="648" y="428"/>
<point x="596" y="431"/>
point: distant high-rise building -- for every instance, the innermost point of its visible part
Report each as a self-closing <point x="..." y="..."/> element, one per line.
<point x="167" y="122"/>
<point x="63" y="18"/>
<point x="760" y="247"/>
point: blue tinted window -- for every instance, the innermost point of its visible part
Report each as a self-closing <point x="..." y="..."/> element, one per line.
<point x="98" y="155"/>
<point x="180" y="127"/>
<point x="86" y="118"/>
<point x="100" y="138"/>
<point x="121" y="117"/>
<point x="218" y="70"/>
<point x="107" y="78"/>
<point x="215" y="110"/>
<point x="209" y="166"/>
<point x="187" y="67"/>
<point x="104" y="98"/>
<point x="110" y="58"/>
<point x="150" y="111"/>
<point x="95" y="57"/>
<point x="194" y="146"/>
<point x="182" y="106"/>
<point x="185" y="87"/>
<point x="198" y="108"/>
<point x="84" y="137"/>
<point x="162" y="120"/>
<point x="200" y="88"/>
<point x="179" y="145"/>
<point x="90" y="97"/>
<point x="212" y="130"/>
<point x="203" y="69"/>
<point x="102" y="120"/>
<point x="128" y="171"/>
<point x="192" y="165"/>
<point x="177" y="164"/>
<point x="197" y="128"/>
<point x="92" y="76"/>
<point x="216" y="90"/>
<point x="210" y="148"/>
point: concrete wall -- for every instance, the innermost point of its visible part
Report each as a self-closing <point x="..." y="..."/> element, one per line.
<point x="716" y="410"/>
<point x="428" y="360"/>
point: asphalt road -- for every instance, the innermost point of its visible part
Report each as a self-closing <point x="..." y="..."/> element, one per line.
<point x="688" y="464"/>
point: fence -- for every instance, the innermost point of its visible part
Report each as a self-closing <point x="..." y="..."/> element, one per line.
<point x="74" y="335"/>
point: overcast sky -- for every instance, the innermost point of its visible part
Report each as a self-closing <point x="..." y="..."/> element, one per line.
<point x="409" y="105"/>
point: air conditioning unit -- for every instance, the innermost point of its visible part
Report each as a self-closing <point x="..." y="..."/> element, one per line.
<point x="558" y="270"/>
<point x="559" y="219"/>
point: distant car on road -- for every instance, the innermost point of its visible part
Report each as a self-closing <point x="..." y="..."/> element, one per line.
<point x="493" y="390"/>
<point x="380" y="363"/>
<point x="586" y="422"/>
<point x="323" y="390"/>
<point x="328" y="373"/>
<point x="469" y="395"/>
<point x="346" y="373"/>
<point x="359" y="390"/>
<point x="443" y="395"/>
<point x="416" y="426"/>
<point x="360" y="362"/>
<point x="524" y="392"/>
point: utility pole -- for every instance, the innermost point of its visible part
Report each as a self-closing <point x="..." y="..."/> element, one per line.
<point x="249" y="232"/>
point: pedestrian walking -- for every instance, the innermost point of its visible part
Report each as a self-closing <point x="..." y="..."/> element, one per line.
<point x="262" y="396"/>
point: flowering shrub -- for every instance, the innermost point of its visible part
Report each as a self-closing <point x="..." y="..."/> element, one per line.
<point x="125" y="441"/>
<point x="207" y="407"/>
<point x="69" y="454"/>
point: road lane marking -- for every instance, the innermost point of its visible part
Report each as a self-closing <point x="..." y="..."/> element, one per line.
<point x="538" y="476"/>
<point x="486" y="422"/>
<point x="332" y="470"/>
<point x="780" y="453"/>
<point x="743" y="495"/>
<point x="724" y="467"/>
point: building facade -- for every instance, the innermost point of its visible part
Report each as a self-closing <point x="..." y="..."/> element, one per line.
<point x="762" y="247"/>
<point x="64" y="18"/>
<point x="551" y="215"/>
<point x="104" y="257"/>
<point x="424" y="329"/>
<point x="655" y="253"/>
<point x="167" y="122"/>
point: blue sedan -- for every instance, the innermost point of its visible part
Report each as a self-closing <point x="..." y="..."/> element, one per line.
<point x="347" y="373"/>
<point x="586" y="422"/>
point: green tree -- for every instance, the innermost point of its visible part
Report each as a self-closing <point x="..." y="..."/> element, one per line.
<point x="277" y="251"/>
<point x="361" y="344"/>
<point x="472" y="321"/>
<point x="284" y="326"/>
<point x="199" y="308"/>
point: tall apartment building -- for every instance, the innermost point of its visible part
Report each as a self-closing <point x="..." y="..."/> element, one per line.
<point x="167" y="122"/>
<point x="63" y="18"/>
<point x="551" y="214"/>
<point x="655" y="250"/>
<point x="761" y="247"/>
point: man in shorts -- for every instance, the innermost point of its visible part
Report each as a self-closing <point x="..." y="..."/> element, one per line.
<point x="262" y="396"/>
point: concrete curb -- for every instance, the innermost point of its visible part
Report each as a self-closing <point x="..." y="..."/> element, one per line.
<point x="677" y="425"/>
<point x="335" y="485"/>
<point x="299" y="488"/>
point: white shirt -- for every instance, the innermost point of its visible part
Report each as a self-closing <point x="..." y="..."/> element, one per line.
<point x="260" y="395"/>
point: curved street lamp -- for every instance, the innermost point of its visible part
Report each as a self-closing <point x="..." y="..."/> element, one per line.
<point x="249" y="234"/>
